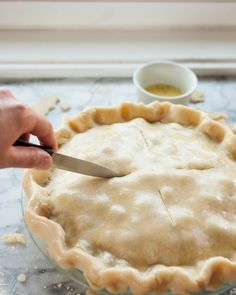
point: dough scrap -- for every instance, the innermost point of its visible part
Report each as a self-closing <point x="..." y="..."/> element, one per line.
<point x="14" y="238"/>
<point x="46" y="104"/>
<point x="21" y="278"/>
<point x="197" y="96"/>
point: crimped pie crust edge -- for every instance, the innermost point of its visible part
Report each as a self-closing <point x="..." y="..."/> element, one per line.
<point x="210" y="273"/>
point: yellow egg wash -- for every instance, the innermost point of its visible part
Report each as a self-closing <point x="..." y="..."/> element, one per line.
<point x="163" y="90"/>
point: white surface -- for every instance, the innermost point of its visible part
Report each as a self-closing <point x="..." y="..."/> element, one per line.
<point x="165" y="73"/>
<point x="115" y="14"/>
<point x="56" y="54"/>
<point x="119" y="46"/>
<point x="58" y="39"/>
<point x="49" y="71"/>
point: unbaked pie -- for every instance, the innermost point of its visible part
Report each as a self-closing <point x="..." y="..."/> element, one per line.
<point x="168" y="224"/>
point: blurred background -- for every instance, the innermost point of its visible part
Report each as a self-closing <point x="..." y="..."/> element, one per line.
<point x="110" y="38"/>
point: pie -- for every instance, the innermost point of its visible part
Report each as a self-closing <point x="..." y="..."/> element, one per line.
<point x="167" y="224"/>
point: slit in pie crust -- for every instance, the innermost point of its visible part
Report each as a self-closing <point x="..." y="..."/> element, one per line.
<point x="169" y="224"/>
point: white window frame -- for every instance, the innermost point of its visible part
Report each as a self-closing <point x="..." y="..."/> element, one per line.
<point x="75" y="38"/>
<point x="116" y="14"/>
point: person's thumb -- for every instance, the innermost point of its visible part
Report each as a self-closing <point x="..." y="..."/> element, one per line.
<point x="28" y="157"/>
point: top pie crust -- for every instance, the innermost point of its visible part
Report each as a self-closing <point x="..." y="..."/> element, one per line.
<point x="168" y="224"/>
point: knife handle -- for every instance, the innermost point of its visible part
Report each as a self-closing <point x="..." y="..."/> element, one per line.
<point x="21" y="142"/>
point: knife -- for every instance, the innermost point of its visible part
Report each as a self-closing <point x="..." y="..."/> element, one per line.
<point x="72" y="164"/>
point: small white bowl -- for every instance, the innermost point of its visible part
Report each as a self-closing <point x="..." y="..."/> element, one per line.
<point x="165" y="72"/>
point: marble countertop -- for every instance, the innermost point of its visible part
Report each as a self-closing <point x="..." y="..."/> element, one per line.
<point x="41" y="276"/>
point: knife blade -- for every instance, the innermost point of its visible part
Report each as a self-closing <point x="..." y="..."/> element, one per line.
<point x="81" y="166"/>
<point x="72" y="164"/>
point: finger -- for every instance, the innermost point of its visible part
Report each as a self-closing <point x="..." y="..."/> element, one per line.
<point x="39" y="126"/>
<point x="28" y="157"/>
<point x="6" y="93"/>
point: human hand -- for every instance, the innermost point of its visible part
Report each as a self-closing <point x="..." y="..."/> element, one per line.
<point x="19" y="120"/>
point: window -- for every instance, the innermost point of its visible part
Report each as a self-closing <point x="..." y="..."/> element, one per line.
<point x="75" y="37"/>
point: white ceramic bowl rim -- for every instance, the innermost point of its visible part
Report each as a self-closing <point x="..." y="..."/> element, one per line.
<point x="190" y="72"/>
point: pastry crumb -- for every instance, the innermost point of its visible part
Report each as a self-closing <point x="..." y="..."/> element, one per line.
<point x="14" y="238"/>
<point x="197" y="96"/>
<point x="46" y="104"/>
<point x="219" y="117"/>
<point x="21" y="278"/>
<point x="64" y="106"/>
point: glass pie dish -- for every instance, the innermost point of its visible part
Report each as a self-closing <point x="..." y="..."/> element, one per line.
<point x="77" y="276"/>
